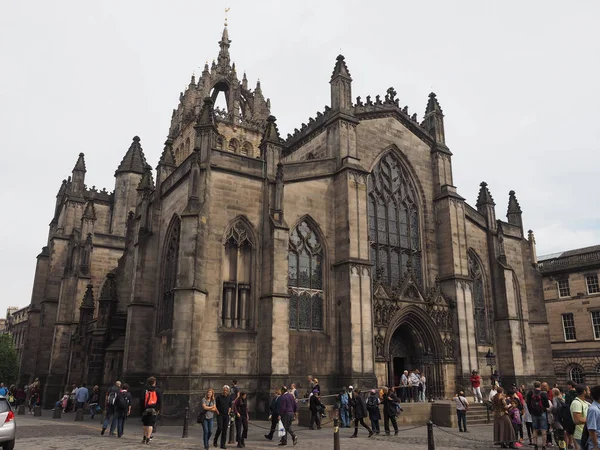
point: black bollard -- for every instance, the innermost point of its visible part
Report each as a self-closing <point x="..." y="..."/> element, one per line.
<point x="231" y="431"/>
<point x="430" y="443"/>
<point x="56" y="414"/>
<point x="37" y="411"/>
<point x="336" y="434"/>
<point x="185" y="422"/>
<point x="79" y="415"/>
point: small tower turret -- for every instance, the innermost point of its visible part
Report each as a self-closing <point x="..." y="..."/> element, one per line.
<point x="78" y="177"/>
<point x="486" y="206"/>
<point x="341" y="86"/>
<point x="514" y="213"/>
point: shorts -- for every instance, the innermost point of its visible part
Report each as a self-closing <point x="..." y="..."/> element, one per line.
<point x="149" y="417"/>
<point x="539" y="422"/>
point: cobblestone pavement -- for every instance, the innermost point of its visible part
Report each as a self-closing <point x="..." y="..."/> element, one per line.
<point x="65" y="434"/>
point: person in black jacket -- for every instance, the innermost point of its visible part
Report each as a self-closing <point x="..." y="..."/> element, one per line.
<point x="223" y="403"/>
<point x="274" y="414"/>
<point x="316" y="407"/>
<point x="123" y="408"/>
<point x="360" y="412"/>
<point x="390" y="410"/>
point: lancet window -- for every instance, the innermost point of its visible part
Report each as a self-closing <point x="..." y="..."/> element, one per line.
<point x="394" y="230"/>
<point x="305" y="279"/>
<point x="169" y="276"/>
<point x="237" y="276"/>
<point x="479" y="295"/>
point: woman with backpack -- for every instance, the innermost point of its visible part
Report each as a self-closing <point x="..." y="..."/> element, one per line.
<point x="373" y="409"/>
<point x="122" y="408"/>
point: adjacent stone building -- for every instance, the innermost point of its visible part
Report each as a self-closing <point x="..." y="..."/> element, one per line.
<point x="572" y="295"/>
<point x="17" y="325"/>
<point x="344" y="251"/>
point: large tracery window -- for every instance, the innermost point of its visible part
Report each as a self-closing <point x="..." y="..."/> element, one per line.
<point x="393" y="222"/>
<point x="479" y="308"/>
<point x="305" y="279"/>
<point x="237" y="276"/>
<point x="169" y="278"/>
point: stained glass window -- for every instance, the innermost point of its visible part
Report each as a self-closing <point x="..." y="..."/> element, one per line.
<point x="479" y="307"/>
<point x="394" y="230"/>
<point x="169" y="277"/>
<point x="305" y="279"/>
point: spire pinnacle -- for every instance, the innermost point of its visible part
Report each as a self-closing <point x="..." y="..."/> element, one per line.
<point x="513" y="204"/>
<point x="207" y="113"/>
<point x="271" y="131"/>
<point x="90" y="211"/>
<point x="223" y="58"/>
<point x="146" y="183"/>
<point x="88" y="298"/>
<point x="340" y="68"/>
<point x="433" y="106"/>
<point x="484" y="197"/>
<point x="167" y="158"/>
<point x="80" y="164"/>
<point x="134" y="160"/>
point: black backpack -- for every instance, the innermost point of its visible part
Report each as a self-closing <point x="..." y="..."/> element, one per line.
<point x="122" y="401"/>
<point x="536" y="408"/>
<point x="372" y="403"/>
<point x="564" y="415"/>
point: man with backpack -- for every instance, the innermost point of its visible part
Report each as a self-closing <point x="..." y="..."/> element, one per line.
<point x="109" y="414"/>
<point x="151" y="407"/>
<point x="123" y="408"/>
<point x="538" y="404"/>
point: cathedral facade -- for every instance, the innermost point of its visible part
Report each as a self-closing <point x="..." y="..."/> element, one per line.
<point x="343" y="251"/>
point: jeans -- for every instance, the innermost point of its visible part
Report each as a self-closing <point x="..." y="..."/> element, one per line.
<point x="404" y="393"/>
<point x="80" y="405"/>
<point x="207" y="427"/>
<point x="477" y="394"/>
<point x="414" y="393"/>
<point x="110" y="419"/>
<point x="287" y="420"/>
<point x="462" y="419"/>
<point x="345" y="417"/>
<point x="222" y="424"/>
<point x="120" y="425"/>
<point x="93" y="407"/>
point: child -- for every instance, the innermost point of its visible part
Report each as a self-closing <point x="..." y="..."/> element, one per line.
<point x="515" y="418"/>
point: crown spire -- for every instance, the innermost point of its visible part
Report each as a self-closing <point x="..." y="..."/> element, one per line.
<point x="224" y="43"/>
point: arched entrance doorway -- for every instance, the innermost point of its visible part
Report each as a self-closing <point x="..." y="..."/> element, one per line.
<point x="415" y="343"/>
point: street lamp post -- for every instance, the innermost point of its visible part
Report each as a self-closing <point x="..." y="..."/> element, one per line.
<point x="490" y="359"/>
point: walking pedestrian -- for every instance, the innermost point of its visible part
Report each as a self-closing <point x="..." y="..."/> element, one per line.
<point x="344" y="408"/>
<point x="94" y="402"/>
<point x="123" y="408"/>
<point x="81" y="396"/>
<point x="240" y="409"/>
<point x="538" y="403"/>
<point x="360" y="412"/>
<point x="208" y="405"/>
<point x="373" y="409"/>
<point x="391" y="408"/>
<point x="223" y="403"/>
<point x="151" y="408"/>
<point x="504" y="434"/>
<point x="109" y="405"/>
<point x="287" y="409"/>
<point x="274" y="413"/>
<point x="579" y="409"/>
<point x="316" y="409"/>
<point x="476" y="386"/>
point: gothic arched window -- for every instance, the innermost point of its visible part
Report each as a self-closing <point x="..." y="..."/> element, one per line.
<point x="237" y="276"/>
<point x="247" y="149"/>
<point x="234" y="145"/>
<point x="479" y="291"/>
<point x="305" y="279"/>
<point x="394" y="234"/>
<point x="169" y="278"/>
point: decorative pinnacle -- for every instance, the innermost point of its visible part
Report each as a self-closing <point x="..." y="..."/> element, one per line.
<point x="484" y="197"/>
<point x="80" y="164"/>
<point x="88" y="298"/>
<point x="207" y="113"/>
<point x="271" y="131"/>
<point x="340" y="69"/>
<point x="513" y="204"/>
<point x="433" y="106"/>
<point x="134" y="160"/>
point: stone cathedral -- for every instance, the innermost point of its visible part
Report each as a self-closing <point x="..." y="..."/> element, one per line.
<point x="342" y="251"/>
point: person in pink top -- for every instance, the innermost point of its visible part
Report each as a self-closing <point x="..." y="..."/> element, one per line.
<point x="476" y="385"/>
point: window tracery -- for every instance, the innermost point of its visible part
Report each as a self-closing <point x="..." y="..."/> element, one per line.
<point x="479" y="295"/>
<point x="169" y="278"/>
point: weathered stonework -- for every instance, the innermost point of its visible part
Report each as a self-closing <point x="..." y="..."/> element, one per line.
<point x="212" y="300"/>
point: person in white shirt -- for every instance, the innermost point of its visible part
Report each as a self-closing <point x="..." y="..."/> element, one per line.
<point x="404" y="386"/>
<point x="462" y="405"/>
<point x="414" y="381"/>
<point x="493" y="393"/>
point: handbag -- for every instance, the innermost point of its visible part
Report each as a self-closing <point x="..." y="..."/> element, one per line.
<point x="280" y="429"/>
<point x="201" y="416"/>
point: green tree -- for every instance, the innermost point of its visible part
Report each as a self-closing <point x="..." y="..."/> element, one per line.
<point x="9" y="366"/>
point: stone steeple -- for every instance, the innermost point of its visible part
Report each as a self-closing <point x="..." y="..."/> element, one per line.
<point x="514" y="213"/>
<point x="134" y="160"/>
<point x="78" y="176"/>
<point x="486" y="206"/>
<point x="433" y="121"/>
<point x="341" y="86"/>
<point x="224" y="58"/>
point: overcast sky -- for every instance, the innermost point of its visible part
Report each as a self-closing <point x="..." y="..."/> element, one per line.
<point x="517" y="80"/>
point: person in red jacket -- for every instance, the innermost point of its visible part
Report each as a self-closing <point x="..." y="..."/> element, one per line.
<point x="476" y="385"/>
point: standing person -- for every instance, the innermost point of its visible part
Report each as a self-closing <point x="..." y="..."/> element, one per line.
<point x="414" y="380"/>
<point x="422" y="388"/>
<point x="109" y="413"/>
<point x="34" y="398"/>
<point x="316" y="386"/>
<point x="316" y="407"/>
<point x="567" y="418"/>
<point x="274" y="413"/>
<point x="21" y="396"/>
<point x="344" y="408"/>
<point x="504" y="434"/>
<point x="593" y="420"/>
<point x="311" y="385"/>
<point x="81" y="396"/>
<point x="404" y="386"/>
<point x="3" y="390"/>
<point x="493" y="392"/>
<point x="152" y="404"/>
<point x="123" y="408"/>
<point x="537" y="403"/>
<point x="390" y="410"/>
<point x="462" y="405"/>
<point x="223" y="404"/>
<point x="476" y="386"/>
<point x="548" y="391"/>
<point x="240" y="409"/>
<point x="360" y="412"/>
<point x="579" y="410"/>
<point x="351" y="402"/>
<point x="295" y="391"/>
<point x="287" y="410"/>
<point x="515" y="418"/>
<point x="94" y="401"/>
<point x="373" y="409"/>
<point x="558" y="405"/>
<point x="527" y="419"/>
<point x="234" y="390"/>
<point x="208" y="405"/>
